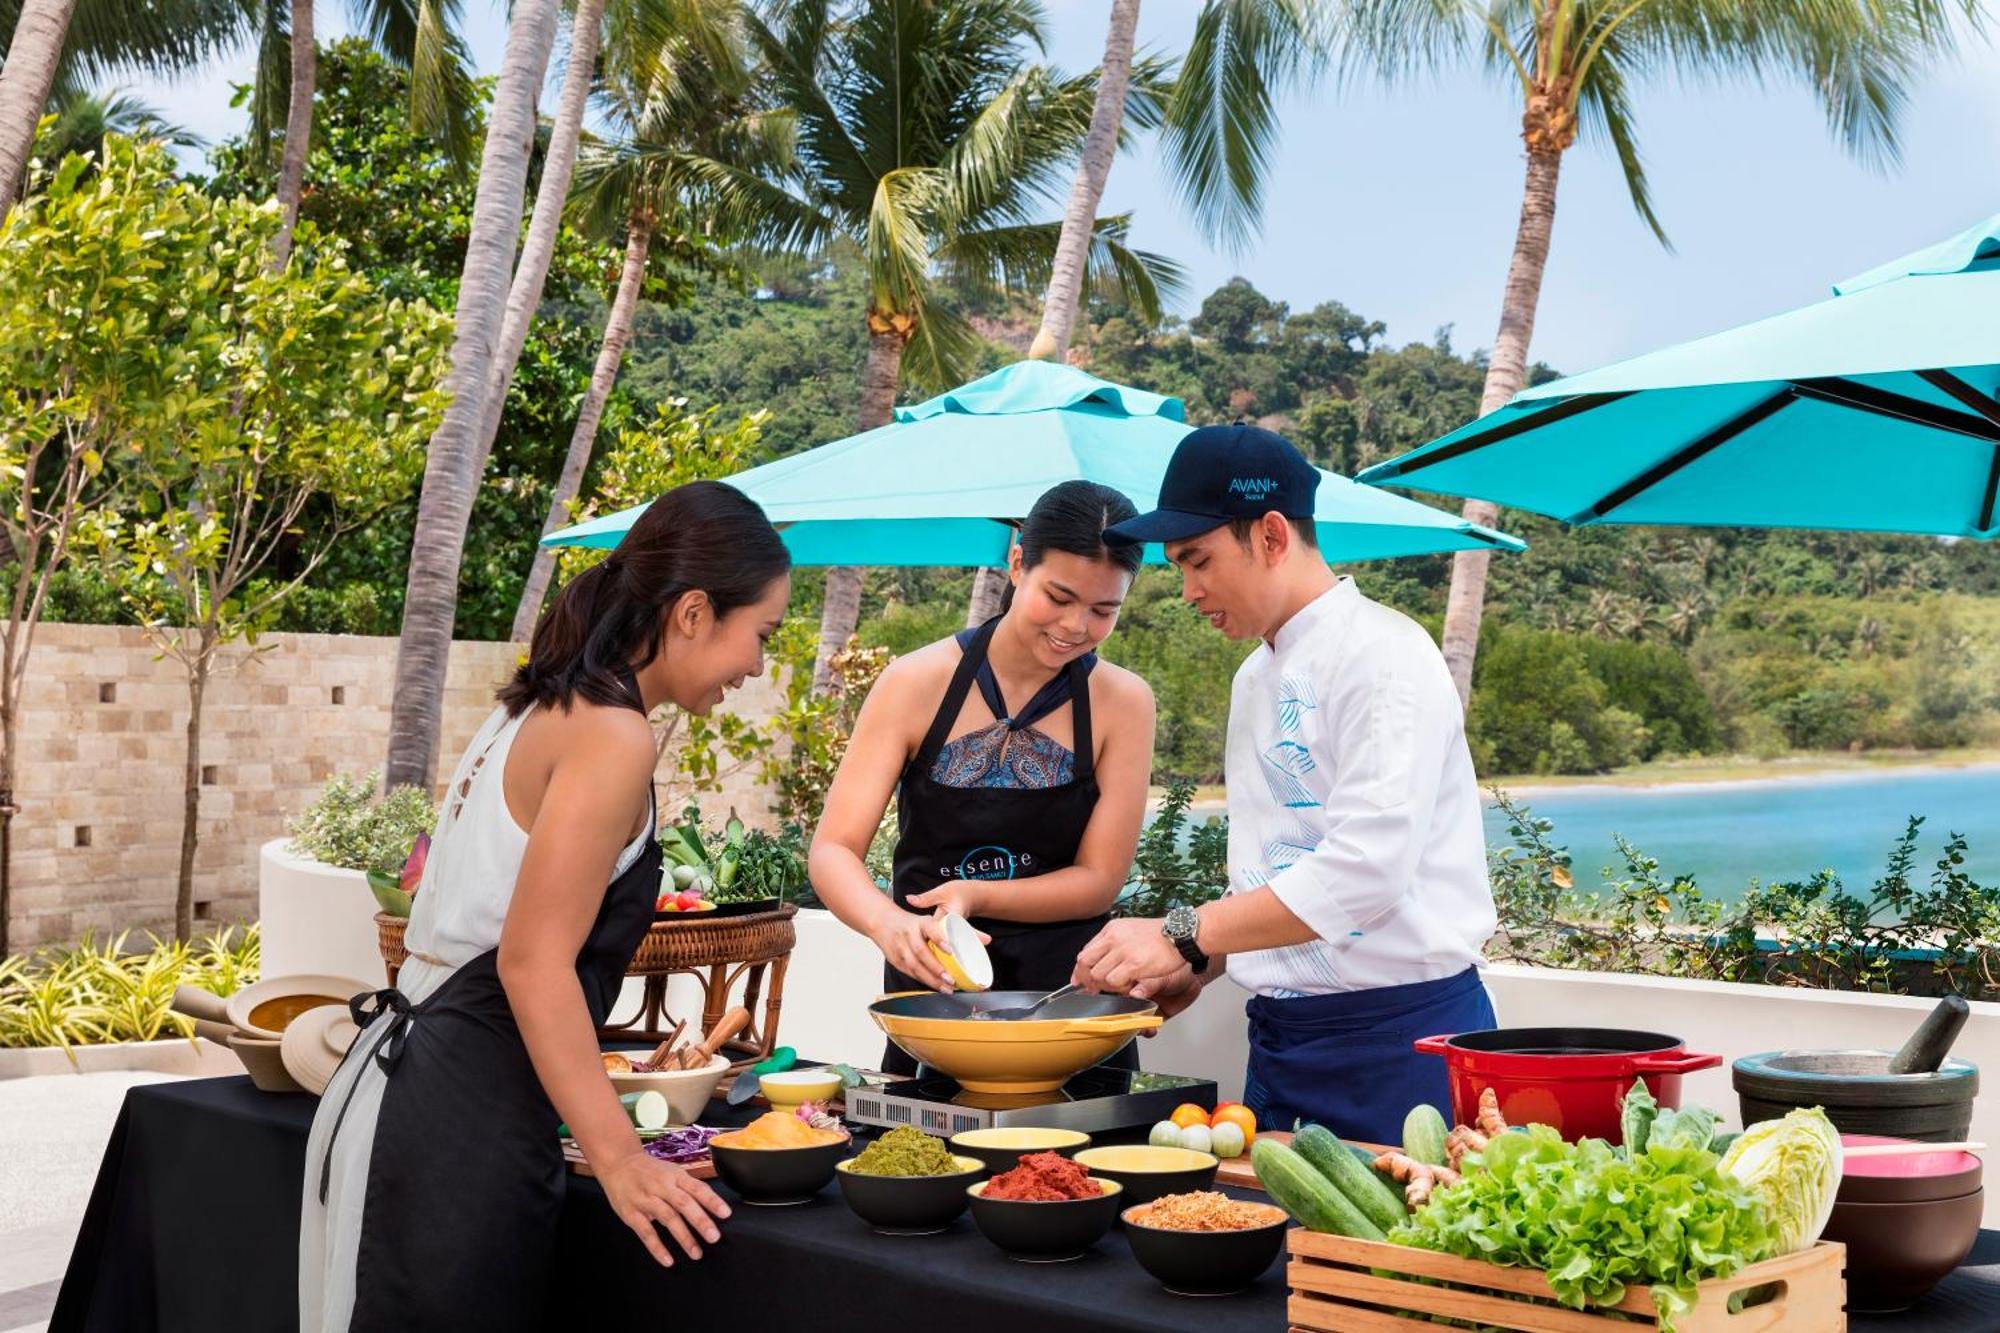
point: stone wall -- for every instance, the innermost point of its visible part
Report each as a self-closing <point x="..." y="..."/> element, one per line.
<point x="103" y="744"/>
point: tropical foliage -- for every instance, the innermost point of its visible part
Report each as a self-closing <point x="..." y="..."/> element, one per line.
<point x="93" y="993"/>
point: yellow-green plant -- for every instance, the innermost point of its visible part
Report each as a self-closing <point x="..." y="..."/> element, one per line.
<point x="92" y="994"/>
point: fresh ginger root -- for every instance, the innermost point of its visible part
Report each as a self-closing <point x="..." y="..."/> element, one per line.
<point x="1418" y="1179"/>
<point x="1461" y="1141"/>
<point x="1490" y="1122"/>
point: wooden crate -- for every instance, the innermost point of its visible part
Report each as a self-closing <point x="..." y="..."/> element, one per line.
<point x="1362" y="1286"/>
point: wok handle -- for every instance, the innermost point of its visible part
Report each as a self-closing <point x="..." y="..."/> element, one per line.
<point x="1673" y="1062"/>
<point x="1432" y="1045"/>
<point x="1110" y="1025"/>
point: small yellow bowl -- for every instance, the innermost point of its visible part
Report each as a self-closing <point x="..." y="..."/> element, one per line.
<point x="966" y="962"/>
<point x="795" y="1087"/>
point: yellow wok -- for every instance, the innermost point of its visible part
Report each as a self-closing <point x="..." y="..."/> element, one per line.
<point x="1011" y="1056"/>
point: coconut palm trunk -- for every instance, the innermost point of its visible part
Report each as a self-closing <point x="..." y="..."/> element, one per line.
<point x="610" y="355"/>
<point x="888" y="335"/>
<point x="451" y="470"/>
<point x="1506" y="372"/>
<point x="545" y="227"/>
<point x="298" y="130"/>
<point x="1072" y="260"/>
<point x="25" y="81"/>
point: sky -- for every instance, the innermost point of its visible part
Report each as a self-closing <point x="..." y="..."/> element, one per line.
<point x="1402" y="202"/>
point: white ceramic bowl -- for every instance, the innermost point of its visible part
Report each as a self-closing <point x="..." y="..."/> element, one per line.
<point x="793" y="1088"/>
<point x="240" y="1005"/>
<point x="687" y="1090"/>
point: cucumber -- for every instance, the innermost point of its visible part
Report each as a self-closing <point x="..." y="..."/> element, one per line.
<point x="648" y="1109"/>
<point x="1295" y="1185"/>
<point x="1345" y="1172"/>
<point x="1424" y="1134"/>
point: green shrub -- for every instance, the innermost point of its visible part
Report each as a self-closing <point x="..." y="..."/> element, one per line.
<point x="348" y="826"/>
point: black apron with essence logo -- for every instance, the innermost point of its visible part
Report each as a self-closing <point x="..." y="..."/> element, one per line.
<point x="997" y="833"/>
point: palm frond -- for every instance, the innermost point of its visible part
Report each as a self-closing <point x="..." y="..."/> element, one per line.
<point x="794" y="54"/>
<point x="159" y="36"/>
<point x="897" y="244"/>
<point x="1221" y="123"/>
<point x="943" y="349"/>
<point x="1605" y="110"/>
<point x="271" y="88"/>
<point x="443" y="93"/>
<point x="1020" y="257"/>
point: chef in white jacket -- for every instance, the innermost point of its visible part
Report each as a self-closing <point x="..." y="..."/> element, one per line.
<point x="1358" y="900"/>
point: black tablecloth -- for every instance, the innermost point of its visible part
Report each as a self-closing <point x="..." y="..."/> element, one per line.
<point x="193" y="1224"/>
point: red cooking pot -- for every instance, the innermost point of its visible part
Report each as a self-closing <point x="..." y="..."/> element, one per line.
<point x="1573" y="1079"/>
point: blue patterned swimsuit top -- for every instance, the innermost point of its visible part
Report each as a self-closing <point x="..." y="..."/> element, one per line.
<point x="989" y="758"/>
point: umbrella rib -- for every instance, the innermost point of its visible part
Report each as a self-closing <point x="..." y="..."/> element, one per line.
<point x="1865" y="398"/>
<point x="1689" y="453"/>
<point x="1563" y="410"/>
<point x="1946" y="382"/>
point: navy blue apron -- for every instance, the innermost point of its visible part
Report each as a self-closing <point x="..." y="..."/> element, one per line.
<point x="1345" y="1060"/>
<point x="1007" y="833"/>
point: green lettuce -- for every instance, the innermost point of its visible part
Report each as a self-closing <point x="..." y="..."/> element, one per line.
<point x="1793" y="1165"/>
<point x="1598" y="1222"/>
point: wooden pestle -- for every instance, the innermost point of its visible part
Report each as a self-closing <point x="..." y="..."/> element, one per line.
<point x="725" y="1027"/>
<point x="201" y="1004"/>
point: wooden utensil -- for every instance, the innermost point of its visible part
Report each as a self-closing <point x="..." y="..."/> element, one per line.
<point x="725" y="1027"/>
<point x="1909" y="1149"/>
<point x="206" y="1005"/>
<point x="663" y="1054"/>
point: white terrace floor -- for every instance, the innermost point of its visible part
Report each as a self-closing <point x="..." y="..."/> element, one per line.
<point x="52" y="1135"/>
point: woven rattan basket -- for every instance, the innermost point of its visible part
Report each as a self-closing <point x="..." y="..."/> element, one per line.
<point x="672" y="944"/>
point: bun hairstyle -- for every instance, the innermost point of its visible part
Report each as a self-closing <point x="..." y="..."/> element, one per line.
<point x="1071" y="518"/>
<point x="704" y="537"/>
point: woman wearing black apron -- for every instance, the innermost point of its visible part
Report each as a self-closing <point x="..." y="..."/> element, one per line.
<point x="1019" y="764"/>
<point x="434" y="1176"/>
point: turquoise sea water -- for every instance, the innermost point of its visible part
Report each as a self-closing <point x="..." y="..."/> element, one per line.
<point x="1724" y="834"/>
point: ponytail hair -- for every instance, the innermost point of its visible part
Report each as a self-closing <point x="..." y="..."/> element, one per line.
<point x="704" y="536"/>
<point x="1071" y="518"/>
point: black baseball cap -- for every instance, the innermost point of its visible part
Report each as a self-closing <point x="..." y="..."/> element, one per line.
<point x="1219" y="474"/>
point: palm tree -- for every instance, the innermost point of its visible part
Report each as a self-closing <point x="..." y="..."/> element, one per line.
<point x="1220" y="129"/>
<point x="1576" y="63"/>
<point x="927" y="140"/>
<point x="50" y="44"/>
<point x="450" y="475"/>
<point x="415" y="34"/>
<point x="78" y="121"/>
<point x="683" y="114"/>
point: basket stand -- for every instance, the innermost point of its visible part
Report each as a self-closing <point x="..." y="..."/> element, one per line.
<point x="719" y="952"/>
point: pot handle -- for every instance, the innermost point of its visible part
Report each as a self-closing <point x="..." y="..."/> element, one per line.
<point x="1432" y="1045"/>
<point x="1110" y="1025"/>
<point x="1673" y="1062"/>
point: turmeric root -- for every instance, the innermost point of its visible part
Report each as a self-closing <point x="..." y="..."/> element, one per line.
<point x="1490" y="1122"/>
<point x="1461" y="1141"/>
<point x="1418" y="1179"/>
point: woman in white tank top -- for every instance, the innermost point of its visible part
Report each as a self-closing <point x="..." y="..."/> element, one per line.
<point x="433" y="1173"/>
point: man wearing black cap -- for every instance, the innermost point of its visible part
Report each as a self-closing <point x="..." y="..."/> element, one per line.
<point x="1358" y="900"/>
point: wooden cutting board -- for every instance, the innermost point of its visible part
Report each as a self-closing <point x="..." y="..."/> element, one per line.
<point x="700" y="1169"/>
<point x="1237" y="1171"/>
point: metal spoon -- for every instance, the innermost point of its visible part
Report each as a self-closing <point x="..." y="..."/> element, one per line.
<point x="1016" y="1012"/>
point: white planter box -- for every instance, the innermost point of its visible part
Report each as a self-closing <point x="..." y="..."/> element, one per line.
<point x="315" y="917"/>
<point x="197" y="1058"/>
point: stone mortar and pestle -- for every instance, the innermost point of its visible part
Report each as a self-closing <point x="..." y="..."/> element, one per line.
<point x="1916" y="1092"/>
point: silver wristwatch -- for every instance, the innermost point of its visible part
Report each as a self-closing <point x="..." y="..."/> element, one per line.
<point x="1180" y="927"/>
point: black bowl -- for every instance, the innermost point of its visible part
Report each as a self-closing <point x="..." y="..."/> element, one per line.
<point x="1011" y="1143"/>
<point x="908" y="1205"/>
<point x="777" y="1175"/>
<point x="1206" y="1263"/>
<point x="1046" y="1233"/>
<point x="1143" y="1181"/>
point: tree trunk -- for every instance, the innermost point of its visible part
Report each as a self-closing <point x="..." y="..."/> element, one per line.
<point x="25" y="81"/>
<point x="1506" y="372"/>
<point x="191" y="798"/>
<point x="539" y="248"/>
<point x="610" y="354"/>
<point x="1100" y="145"/>
<point x="298" y="130"/>
<point x="842" y="611"/>
<point x="10" y="729"/>
<point x="451" y="471"/>
<point x="989" y="585"/>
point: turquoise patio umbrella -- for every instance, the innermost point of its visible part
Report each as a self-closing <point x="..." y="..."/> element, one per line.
<point x="946" y="481"/>
<point x="1873" y="411"/>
